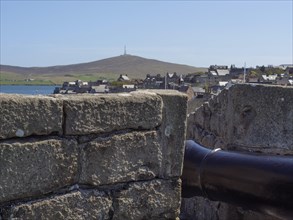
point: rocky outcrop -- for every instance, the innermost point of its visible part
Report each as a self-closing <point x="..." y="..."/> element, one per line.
<point x="92" y="156"/>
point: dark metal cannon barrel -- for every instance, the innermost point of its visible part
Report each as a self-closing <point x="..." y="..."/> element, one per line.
<point x="255" y="182"/>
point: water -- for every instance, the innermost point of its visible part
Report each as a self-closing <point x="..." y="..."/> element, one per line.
<point x="29" y="90"/>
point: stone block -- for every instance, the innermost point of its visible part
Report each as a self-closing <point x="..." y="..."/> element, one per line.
<point x="105" y="113"/>
<point x="172" y="132"/>
<point x="23" y="116"/>
<point x="250" y="118"/>
<point x="32" y="167"/>
<point x="121" y="158"/>
<point x="156" y="199"/>
<point x="202" y="208"/>
<point x="88" y="204"/>
<point x="263" y="116"/>
<point x="254" y="116"/>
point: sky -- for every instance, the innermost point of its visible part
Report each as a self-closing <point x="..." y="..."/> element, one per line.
<point x="196" y="33"/>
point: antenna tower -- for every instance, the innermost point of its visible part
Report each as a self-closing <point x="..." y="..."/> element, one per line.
<point x="244" y="72"/>
<point x="125" y="50"/>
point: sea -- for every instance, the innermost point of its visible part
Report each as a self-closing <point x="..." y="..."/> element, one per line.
<point x="27" y="89"/>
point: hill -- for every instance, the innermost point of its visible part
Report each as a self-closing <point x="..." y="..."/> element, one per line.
<point x="110" y="68"/>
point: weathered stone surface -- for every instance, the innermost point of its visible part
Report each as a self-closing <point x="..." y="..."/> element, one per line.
<point x="105" y="113"/>
<point x="257" y="118"/>
<point x="248" y="118"/>
<point x="118" y="144"/>
<point x="172" y="132"/>
<point x="200" y="208"/>
<point x="156" y="199"/>
<point x="121" y="158"/>
<point x="89" y="204"/>
<point x="30" y="167"/>
<point x="21" y="116"/>
<point x="263" y="117"/>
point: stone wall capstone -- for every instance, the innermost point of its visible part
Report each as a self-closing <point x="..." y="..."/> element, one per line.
<point x="32" y="115"/>
<point x="92" y="156"/>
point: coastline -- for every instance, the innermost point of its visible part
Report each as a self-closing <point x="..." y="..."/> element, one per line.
<point x="28" y="84"/>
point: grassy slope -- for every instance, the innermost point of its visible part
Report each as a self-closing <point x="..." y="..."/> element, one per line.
<point x="110" y="69"/>
<point x="47" y="79"/>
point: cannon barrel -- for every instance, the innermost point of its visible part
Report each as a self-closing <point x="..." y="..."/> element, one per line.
<point x="256" y="182"/>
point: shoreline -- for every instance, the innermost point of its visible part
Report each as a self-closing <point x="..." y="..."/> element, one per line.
<point x="30" y="84"/>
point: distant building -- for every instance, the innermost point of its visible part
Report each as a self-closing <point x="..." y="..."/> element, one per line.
<point x="154" y="82"/>
<point x="235" y="72"/>
<point x="285" y="66"/>
<point x="98" y="82"/>
<point x="289" y="70"/>
<point x="129" y="86"/>
<point x="198" y="92"/>
<point x="216" y="89"/>
<point x="187" y="90"/>
<point x="174" y="78"/>
<point x="223" y="83"/>
<point x="218" y="73"/>
<point x="122" y="88"/>
<point x="123" y="78"/>
<point x="218" y="70"/>
<point x="192" y="78"/>
<point x="100" y="89"/>
<point x="269" y="78"/>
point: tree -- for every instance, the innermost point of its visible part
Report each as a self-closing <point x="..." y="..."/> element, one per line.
<point x="262" y="68"/>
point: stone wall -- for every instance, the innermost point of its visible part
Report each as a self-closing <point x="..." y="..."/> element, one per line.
<point x="245" y="118"/>
<point x="92" y="156"/>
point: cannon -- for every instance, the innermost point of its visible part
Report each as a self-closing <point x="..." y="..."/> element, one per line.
<point x="253" y="181"/>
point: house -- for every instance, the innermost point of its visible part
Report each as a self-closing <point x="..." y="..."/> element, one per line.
<point x="289" y="70"/>
<point x="213" y="73"/>
<point x="198" y="92"/>
<point x="82" y="89"/>
<point x="218" y="70"/>
<point x="223" y="83"/>
<point x="154" y="82"/>
<point x="173" y="78"/>
<point x="192" y="78"/>
<point x="253" y="80"/>
<point x="99" y="89"/>
<point x="187" y="90"/>
<point x="218" y="73"/>
<point x="235" y="72"/>
<point x="216" y="89"/>
<point x="99" y="82"/>
<point x="269" y="79"/>
<point x="170" y="81"/>
<point x="123" y="78"/>
<point x="129" y="87"/>
<point x="68" y="84"/>
<point x="123" y="88"/>
<point x="204" y="78"/>
<point x="285" y="66"/>
<point x="222" y="72"/>
<point x="284" y="81"/>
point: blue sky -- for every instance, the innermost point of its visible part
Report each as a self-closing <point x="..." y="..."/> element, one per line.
<point x="197" y="33"/>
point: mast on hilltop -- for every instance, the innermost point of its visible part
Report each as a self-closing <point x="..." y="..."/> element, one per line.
<point x="125" y="50"/>
<point x="244" y="73"/>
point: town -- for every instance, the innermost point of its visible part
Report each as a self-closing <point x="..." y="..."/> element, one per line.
<point x="195" y="85"/>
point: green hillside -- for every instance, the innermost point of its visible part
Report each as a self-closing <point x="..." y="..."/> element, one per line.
<point x="135" y="67"/>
